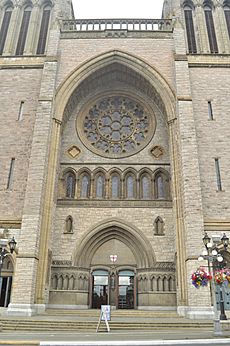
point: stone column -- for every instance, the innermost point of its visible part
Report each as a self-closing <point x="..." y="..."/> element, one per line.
<point x="201" y="24"/>
<point x="191" y="224"/>
<point x="29" y="284"/>
<point x="34" y="27"/>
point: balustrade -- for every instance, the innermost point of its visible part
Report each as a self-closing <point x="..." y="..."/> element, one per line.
<point x="83" y="25"/>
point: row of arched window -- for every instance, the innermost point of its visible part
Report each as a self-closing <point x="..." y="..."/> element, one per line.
<point x="145" y="185"/>
<point x="191" y="21"/>
<point x="21" y="29"/>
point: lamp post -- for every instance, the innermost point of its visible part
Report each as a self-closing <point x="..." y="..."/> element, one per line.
<point x="225" y="243"/>
<point x="212" y="256"/>
<point x="3" y="249"/>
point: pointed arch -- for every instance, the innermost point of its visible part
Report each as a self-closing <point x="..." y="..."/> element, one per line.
<point x="159" y="226"/>
<point x="165" y="96"/>
<point x="70" y="183"/>
<point x="208" y="13"/>
<point x="5" y="25"/>
<point x="161" y="184"/>
<point x="189" y="23"/>
<point x="114" y="229"/>
<point x="145" y="182"/>
<point x="45" y="19"/>
<point x="69" y="224"/>
<point x="24" y="28"/>
<point x="99" y="182"/>
<point x="84" y="183"/>
<point x="115" y="180"/>
<point x="130" y="183"/>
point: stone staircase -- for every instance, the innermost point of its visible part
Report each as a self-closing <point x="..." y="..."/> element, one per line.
<point x="87" y="320"/>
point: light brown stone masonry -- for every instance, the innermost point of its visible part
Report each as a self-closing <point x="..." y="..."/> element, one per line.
<point x="85" y="219"/>
<point x="213" y="136"/>
<point x="157" y="53"/>
<point x="16" y="136"/>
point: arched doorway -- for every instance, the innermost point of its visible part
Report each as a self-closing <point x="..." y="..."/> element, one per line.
<point x="115" y="253"/>
<point x="115" y="289"/>
<point x="6" y="282"/>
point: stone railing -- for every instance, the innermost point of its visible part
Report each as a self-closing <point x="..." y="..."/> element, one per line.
<point x="89" y="25"/>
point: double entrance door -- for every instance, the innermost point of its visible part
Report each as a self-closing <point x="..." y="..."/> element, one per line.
<point x="115" y="289"/>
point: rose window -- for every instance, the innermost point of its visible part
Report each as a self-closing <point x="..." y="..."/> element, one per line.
<point x="116" y="126"/>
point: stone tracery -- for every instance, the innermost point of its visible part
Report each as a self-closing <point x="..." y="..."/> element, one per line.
<point x="116" y="126"/>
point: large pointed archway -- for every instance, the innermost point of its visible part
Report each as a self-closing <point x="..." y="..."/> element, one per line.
<point x="161" y="90"/>
<point x="114" y="252"/>
<point x="114" y="229"/>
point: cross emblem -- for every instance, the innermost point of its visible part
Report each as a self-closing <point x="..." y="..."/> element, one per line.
<point x="113" y="258"/>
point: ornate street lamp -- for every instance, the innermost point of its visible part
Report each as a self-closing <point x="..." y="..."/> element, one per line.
<point x="212" y="256"/>
<point x="225" y="241"/>
<point x="3" y="249"/>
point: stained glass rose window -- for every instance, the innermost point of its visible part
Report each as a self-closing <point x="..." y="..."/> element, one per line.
<point x="116" y="126"/>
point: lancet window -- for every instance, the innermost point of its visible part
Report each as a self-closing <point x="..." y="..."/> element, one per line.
<point x="70" y="185"/>
<point x="100" y="186"/>
<point x="191" y="39"/>
<point x="210" y="28"/>
<point x="161" y="186"/>
<point x="43" y="29"/>
<point x="85" y="186"/>
<point x="115" y="186"/>
<point x="145" y="187"/>
<point x="5" y="27"/>
<point x="23" y="30"/>
<point x="130" y="185"/>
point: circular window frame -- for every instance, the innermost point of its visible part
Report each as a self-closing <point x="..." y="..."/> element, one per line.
<point x="84" y="111"/>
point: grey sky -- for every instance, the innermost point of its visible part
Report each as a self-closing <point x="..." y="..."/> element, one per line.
<point x="117" y="9"/>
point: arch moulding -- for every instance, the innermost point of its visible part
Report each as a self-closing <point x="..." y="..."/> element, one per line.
<point x="114" y="229"/>
<point x="134" y="63"/>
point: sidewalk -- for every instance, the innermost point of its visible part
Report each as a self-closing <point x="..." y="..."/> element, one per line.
<point x="112" y="338"/>
<point x="166" y="326"/>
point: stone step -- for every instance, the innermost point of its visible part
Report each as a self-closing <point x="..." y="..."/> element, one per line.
<point x="116" y="313"/>
<point x="48" y="325"/>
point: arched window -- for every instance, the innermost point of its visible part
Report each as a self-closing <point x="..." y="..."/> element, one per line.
<point x="115" y="186"/>
<point x="100" y="186"/>
<point x="161" y="186"/>
<point x="130" y="187"/>
<point x="5" y="27"/>
<point x="159" y="226"/>
<point x="23" y="30"/>
<point x="210" y="28"/>
<point x="70" y="185"/>
<point x="191" y="39"/>
<point x="69" y="224"/>
<point x="227" y="16"/>
<point x="43" y="30"/>
<point x="145" y="187"/>
<point x="85" y="186"/>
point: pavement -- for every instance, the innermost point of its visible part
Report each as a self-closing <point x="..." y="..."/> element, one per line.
<point x="169" y="336"/>
<point x="113" y="338"/>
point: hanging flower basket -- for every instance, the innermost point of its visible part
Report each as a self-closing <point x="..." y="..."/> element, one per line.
<point x="222" y="276"/>
<point x="200" y="278"/>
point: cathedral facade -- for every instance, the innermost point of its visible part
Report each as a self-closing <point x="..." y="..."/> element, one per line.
<point x="114" y="155"/>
